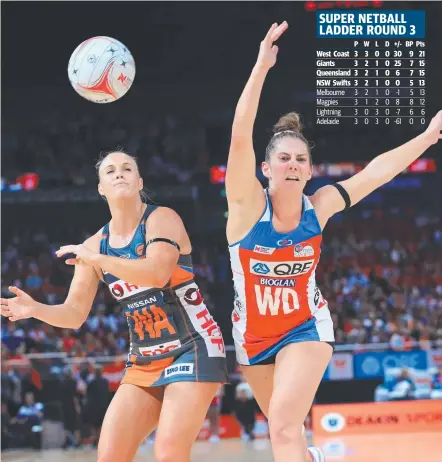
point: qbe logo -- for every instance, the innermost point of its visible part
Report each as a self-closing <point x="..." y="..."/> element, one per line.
<point x="333" y="422"/>
<point x="260" y="268"/>
<point x="281" y="268"/>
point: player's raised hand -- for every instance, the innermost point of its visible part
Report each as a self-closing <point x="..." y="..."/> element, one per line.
<point x="83" y="255"/>
<point x="433" y="131"/>
<point x="267" y="50"/>
<point x="19" y="307"/>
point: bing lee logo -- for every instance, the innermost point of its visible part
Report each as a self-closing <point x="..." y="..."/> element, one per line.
<point x="261" y="268"/>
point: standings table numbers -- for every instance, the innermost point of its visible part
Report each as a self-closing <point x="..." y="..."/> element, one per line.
<point x="374" y="73"/>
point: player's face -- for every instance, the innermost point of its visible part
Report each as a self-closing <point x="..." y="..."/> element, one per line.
<point x="289" y="164"/>
<point x="119" y="177"/>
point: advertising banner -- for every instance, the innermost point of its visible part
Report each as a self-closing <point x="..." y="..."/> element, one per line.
<point x="386" y="417"/>
<point x="340" y="367"/>
<point x="435" y="358"/>
<point x="372" y="365"/>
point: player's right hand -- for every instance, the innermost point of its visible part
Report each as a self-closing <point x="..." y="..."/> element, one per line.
<point x="19" y="307"/>
<point x="268" y="51"/>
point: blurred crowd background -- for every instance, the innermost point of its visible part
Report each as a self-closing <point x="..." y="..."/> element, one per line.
<point x="381" y="262"/>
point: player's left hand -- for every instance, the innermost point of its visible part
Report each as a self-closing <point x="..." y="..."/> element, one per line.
<point x="267" y="50"/>
<point x="433" y="131"/>
<point x="82" y="253"/>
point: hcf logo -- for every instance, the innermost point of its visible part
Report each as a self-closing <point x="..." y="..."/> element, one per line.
<point x="261" y="268"/>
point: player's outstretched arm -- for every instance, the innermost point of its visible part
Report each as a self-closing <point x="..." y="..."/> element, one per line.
<point x="161" y="257"/>
<point x="241" y="181"/>
<point x="70" y="314"/>
<point x="382" y="169"/>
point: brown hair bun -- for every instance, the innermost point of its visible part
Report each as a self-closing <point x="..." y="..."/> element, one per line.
<point x="290" y="121"/>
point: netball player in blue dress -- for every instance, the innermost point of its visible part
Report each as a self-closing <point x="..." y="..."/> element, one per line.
<point x="281" y="323"/>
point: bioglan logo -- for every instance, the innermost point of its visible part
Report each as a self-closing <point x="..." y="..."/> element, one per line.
<point x="283" y="268"/>
<point x="277" y="282"/>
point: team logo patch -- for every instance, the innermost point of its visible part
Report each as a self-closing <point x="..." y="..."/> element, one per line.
<point x="284" y="242"/>
<point x="193" y="297"/>
<point x="264" y="250"/>
<point x="303" y="251"/>
<point x="121" y="289"/>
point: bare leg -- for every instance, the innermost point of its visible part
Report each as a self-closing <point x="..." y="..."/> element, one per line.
<point x="299" y="369"/>
<point x="184" y="409"/>
<point x="133" y="413"/>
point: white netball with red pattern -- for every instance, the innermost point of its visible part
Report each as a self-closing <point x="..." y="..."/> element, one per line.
<point x="101" y="69"/>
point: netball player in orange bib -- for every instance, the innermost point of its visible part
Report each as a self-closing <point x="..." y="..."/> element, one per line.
<point x="176" y="361"/>
<point x="282" y="327"/>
